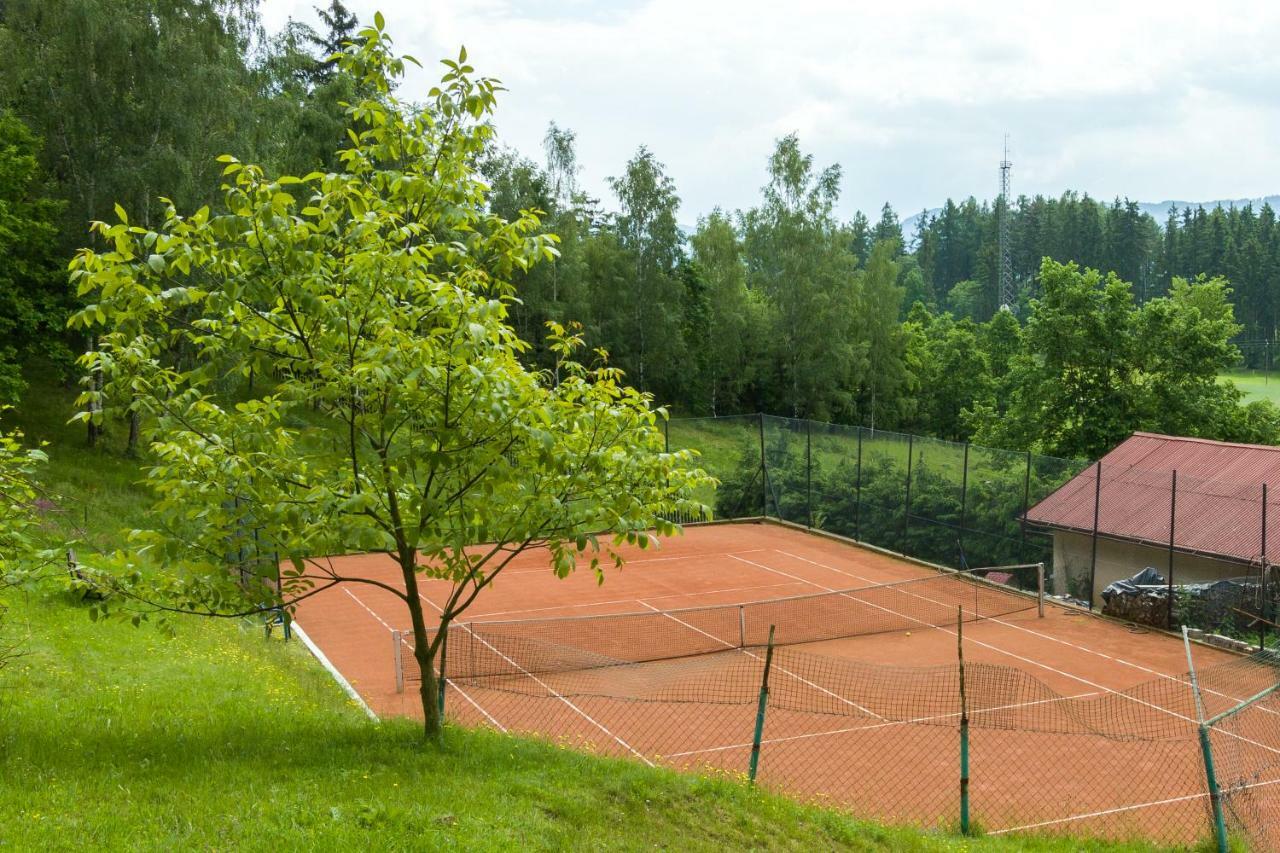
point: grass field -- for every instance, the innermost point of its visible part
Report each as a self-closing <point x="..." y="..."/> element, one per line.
<point x="121" y="738"/>
<point x="1256" y="384"/>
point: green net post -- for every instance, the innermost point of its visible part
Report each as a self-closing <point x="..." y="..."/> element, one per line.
<point x="760" y="709"/>
<point x="1206" y="752"/>
<point x="808" y="473"/>
<point x="964" y="728"/>
<point x="764" y="474"/>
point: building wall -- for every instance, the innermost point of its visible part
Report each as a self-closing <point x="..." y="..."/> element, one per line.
<point x="1119" y="560"/>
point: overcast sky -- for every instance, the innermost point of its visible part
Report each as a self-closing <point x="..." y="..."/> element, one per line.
<point x="1153" y="101"/>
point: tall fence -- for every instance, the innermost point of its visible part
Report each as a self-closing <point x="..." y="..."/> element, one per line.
<point x="1203" y="548"/>
<point x="954" y="504"/>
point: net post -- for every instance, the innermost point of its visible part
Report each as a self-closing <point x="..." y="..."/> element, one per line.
<point x="742" y="626"/>
<point x="395" y="638"/>
<point x="1206" y="753"/>
<point x="1040" y="589"/>
<point x="760" y="709"/>
<point x="964" y="727"/>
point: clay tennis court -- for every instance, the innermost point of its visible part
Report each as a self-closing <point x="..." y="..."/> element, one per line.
<point x="1081" y="724"/>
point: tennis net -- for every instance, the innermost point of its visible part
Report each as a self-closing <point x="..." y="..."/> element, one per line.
<point x="532" y="647"/>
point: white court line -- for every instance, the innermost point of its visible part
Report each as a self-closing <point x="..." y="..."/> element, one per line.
<point x="709" y="556"/>
<point x="754" y="656"/>
<point x="475" y="617"/>
<point x="1134" y="807"/>
<point x="1002" y="651"/>
<point x="886" y="724"/>
<point x="547" y="687"/>
<point x="1034" y="633"/>
<point x="461" y="692"/>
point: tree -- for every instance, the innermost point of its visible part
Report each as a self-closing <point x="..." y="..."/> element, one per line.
<point x="879" y="304"/>
<point x="400" y="418"/>
<point x="1093" y="368"/>
<point x="34" y="296"/>
<point x="340" y="29"/>
<point x="732" y="312"/>
<point x="647" y="229"/>
<point x="799" y="260"/>
<point x="21" y="558"/>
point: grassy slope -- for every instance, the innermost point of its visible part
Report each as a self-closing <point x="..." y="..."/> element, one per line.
<point x="1255" y="384"/>
<point x="218" y="739"/>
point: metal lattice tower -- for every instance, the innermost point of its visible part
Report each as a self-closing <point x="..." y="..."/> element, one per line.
<point x="1008" y="292"/>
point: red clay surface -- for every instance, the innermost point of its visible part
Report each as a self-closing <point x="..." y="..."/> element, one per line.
<point x="1066" y="780"/>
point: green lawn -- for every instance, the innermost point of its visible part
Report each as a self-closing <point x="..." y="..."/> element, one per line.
<point x="120" y="738"/>
<point x="1256" y="384"/>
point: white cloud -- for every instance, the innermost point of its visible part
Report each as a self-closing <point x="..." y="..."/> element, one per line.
<point x="1145" y="99"/>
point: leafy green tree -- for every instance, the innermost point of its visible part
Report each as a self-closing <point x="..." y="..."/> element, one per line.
<point x="732" y="316"/>
<point x="1094" y="368"/>
<point x="882" y="397"/>
<point x="400" y="418"/>
<point x="951" y="373"/>
<point x="21" y="553"/>
<point x="799" y="259"/>
<point x="647" y="230"/>
<point x="340" y="29"/>
<point x="34" y="296"/>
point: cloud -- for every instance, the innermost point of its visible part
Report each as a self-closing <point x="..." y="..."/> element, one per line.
<point x="1144" y="99"/>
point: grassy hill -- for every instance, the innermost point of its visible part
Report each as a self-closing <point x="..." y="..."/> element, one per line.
<point x="120" y="738"/>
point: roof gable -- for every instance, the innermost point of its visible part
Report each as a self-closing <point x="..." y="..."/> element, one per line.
<point x="1219" y="496"/>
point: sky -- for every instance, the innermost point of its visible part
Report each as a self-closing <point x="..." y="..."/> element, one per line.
<point x="1152" y="101"/>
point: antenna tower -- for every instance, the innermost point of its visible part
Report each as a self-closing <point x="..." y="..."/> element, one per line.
<point x="1008" y="293"/>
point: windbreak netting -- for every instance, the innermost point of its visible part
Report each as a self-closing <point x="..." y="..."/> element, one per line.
<point x="884" y="741"/>
<point x="788" y="468"/>
<point x="882" y="489"/>
<point x="1048" y="474"/>
<point x="538" y="647"/>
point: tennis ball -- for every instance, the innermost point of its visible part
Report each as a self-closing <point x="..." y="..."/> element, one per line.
<point x="908" y="633"/>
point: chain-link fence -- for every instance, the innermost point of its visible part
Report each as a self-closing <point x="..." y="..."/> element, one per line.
<point x="949" y="503"/>
<point x="961" y="505"/>
<point x="957" y="747"/>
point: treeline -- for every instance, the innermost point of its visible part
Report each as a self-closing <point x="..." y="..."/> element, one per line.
<point x="783" y="307"/>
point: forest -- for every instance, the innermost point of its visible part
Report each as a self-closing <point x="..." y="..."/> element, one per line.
<point x="787" y="307"/>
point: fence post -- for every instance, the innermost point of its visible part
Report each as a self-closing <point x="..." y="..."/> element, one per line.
<point x="1206" y="752"/>
<point x="1097" y="504"/>
<point x="666" y="435"/>
<point x="964" y="503"/>
<point x="760" y="709"/>
<point x="395" y="638"/>
<point x="764" y="474"/>
<point x="742" y="627"/>
<point x="1040" y="589"/>
<point x="857" y="494"/>
<point x="906" y="503"/>
<point x="1026" y="505"/>
<point x="1262" y="579"/>
<point x="808" y="472"/>
<point x="1173" y="514"/>
<point x="964" y="727"/>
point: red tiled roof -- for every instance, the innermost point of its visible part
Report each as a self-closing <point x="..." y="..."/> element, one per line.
<point x="1219" y="496"/>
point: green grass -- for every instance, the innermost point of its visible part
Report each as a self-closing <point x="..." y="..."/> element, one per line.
<point x="1256" y="384"/>
<point x="122" y="738"/>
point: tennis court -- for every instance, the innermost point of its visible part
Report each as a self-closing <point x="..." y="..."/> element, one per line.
<point x="1076" y="724"/>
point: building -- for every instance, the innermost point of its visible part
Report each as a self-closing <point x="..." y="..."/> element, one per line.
<point x="1221" y="527"/>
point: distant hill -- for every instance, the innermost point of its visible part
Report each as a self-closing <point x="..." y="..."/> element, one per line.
<point x="1159" y="210"/>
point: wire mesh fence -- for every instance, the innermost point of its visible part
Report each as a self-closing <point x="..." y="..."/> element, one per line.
<point x="961" y="505"/>
<point x="889" y="742"/>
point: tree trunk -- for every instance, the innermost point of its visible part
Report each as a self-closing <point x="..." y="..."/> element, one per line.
<point x="423" y="654"/>
<point x="135" y="424"/>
